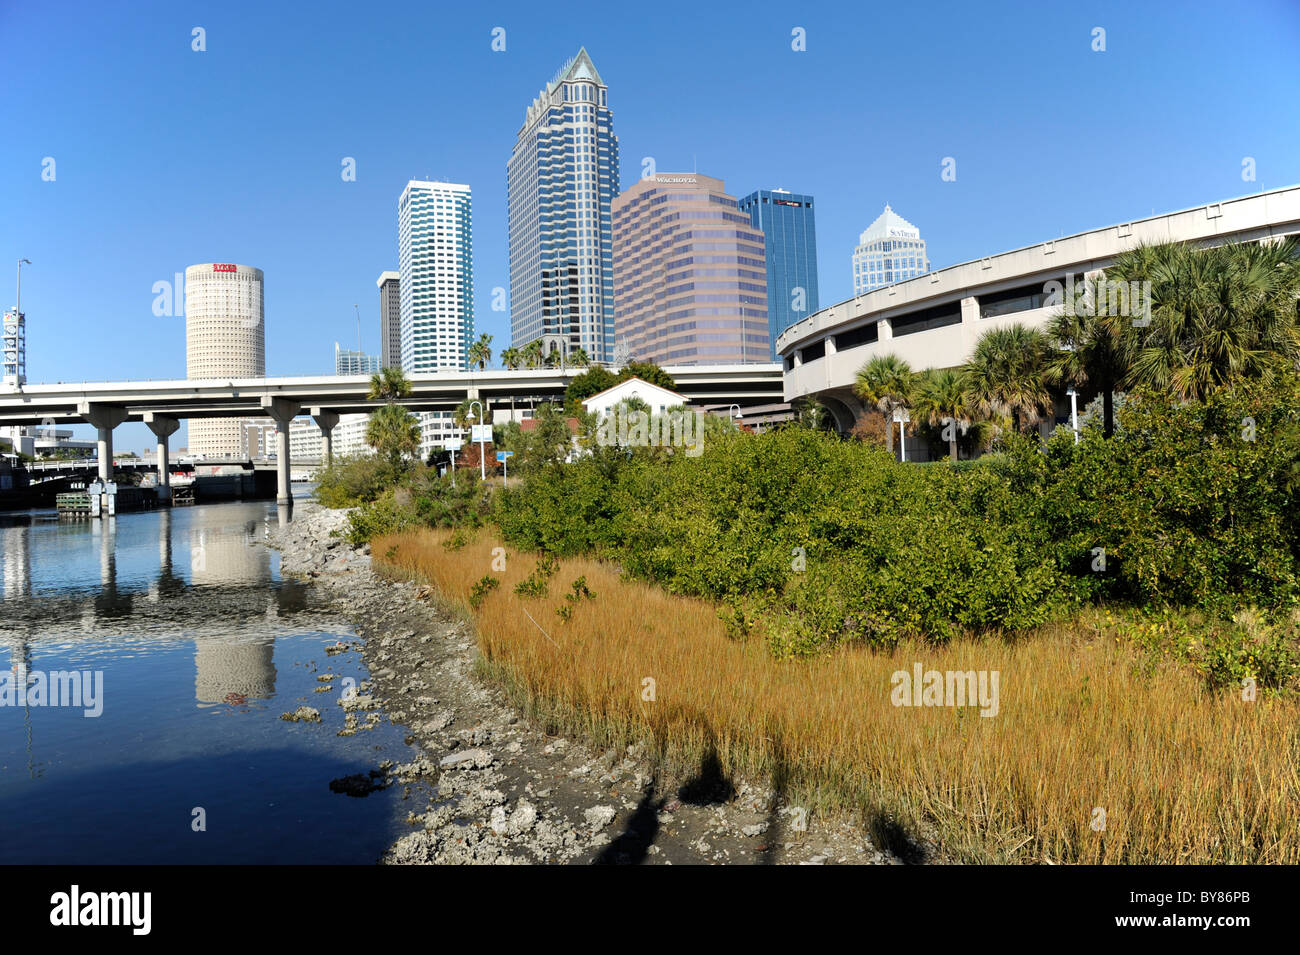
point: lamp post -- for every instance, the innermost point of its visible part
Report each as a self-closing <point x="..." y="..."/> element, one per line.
<point x="18" y="305"/>
<point x="1074" y="411"/>
<point x="482" y="459"/>
<point x="358" y="308"/>
<point x="736" y="416"/>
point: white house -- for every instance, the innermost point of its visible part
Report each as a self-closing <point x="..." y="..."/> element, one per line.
<point x="659" y="399"/>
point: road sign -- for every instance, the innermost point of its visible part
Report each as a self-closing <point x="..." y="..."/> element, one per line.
<point x="452" y="444"/>
<point x="901" y="414"/>
<point x="502" y="455"/>
<point x="481" y="432"/>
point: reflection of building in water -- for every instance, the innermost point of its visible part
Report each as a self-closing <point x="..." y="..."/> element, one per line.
<point x="222" y="554"/>
<point x="17" y="562"/>
<point x="229" y="669"/>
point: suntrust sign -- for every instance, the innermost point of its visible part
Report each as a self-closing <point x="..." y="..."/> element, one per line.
<point x="219" y="267"/>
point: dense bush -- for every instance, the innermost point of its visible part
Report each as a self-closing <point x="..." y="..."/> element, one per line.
<point x="423" y="499"/>
<point x="352" y="480"/>
<point x="1188" y="505"/>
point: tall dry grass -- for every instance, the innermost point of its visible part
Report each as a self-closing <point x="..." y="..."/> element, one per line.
<point x="1182" y="775"/>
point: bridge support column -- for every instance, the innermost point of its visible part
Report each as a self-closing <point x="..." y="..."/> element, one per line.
<point x="104" y="418"/>
<point x="162" y="426"/>
<point x="282" y="411"/>
<point x="326" y="420"/>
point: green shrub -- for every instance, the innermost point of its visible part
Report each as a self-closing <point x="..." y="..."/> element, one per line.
<point x="352" y="480"/>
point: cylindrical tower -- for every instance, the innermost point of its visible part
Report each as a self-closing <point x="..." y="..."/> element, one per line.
<point x="225" y="337"/>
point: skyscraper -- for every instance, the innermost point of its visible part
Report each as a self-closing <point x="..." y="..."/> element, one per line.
<point x="225" y="337"/>
<point x="890" y="250"/>
<point x="561" y="179"/>
<point x="348" y="362"/>
<point x="789" y="232"/>
<point x="690" y="276"/>
<point x="390" y="319"/>
<point x="435" y="275"/>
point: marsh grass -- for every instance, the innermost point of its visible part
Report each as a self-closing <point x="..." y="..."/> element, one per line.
<point x="1184" y="774"/>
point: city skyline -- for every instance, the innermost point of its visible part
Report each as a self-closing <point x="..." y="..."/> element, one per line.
<point x="107" y="227"/>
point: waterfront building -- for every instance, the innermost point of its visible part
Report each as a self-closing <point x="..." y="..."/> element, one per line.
<point x="562" y="178"/>
<point x="347" y="362"/>
<point x="788" y="223"/>
<point x="435" y="276"/>
<point x="890" y="250"/>
<point x="225" y="337"/>
<point x="390" y="319"/>
<point x="690" y="274"/>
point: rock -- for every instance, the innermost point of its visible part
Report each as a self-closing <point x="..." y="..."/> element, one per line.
<point x="467" y="759"/>
<point x="755" y="830"/>
<point x="302" y="714"/>
<point x="598" y="817"/>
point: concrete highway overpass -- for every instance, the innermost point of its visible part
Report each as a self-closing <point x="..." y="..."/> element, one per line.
<point x="162" y="404"/>
<point x="935" y="319"/>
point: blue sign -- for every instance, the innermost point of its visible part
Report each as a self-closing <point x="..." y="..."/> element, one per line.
<point x="502" y="455"/>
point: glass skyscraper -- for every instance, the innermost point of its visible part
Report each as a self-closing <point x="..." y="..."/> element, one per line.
<point x="435" y="256"/>
<point x="890" y="250"/>
<point x="562" y="176"/>
<point x="788" y="224"/>
<point x="347" y="362"/>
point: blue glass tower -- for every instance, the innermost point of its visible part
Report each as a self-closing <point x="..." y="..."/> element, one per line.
<point x="789" y="228"/>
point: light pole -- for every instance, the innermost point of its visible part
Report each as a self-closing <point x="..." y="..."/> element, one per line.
<point x="736" y="416"/>
<point x="18" y="305"/>
<point x="358" y="308"/>
<point x="482" y="452"/>
<point x="1074" y="411"/>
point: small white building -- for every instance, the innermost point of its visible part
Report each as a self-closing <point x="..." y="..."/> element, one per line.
<point x="659" y="399"/>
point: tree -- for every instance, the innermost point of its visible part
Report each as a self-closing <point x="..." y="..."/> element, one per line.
<point x="579" y="358"/>
<point x="547" y="444"/>
<point x="480" y="353"/>
<point x="512" y="357"/>
<point x="389" y="385"/>
<point x="942" y="401"/>
<point x="889" y="383"/>
<point x="394" y="433"/>
<point x="532" y="353"/>
<point x="647" y="371"/>
<point x="1008" y="374"/>
<point x="1217" y="314"/>
<point x="591" y="382"/>
<point x="1089" y="350"/>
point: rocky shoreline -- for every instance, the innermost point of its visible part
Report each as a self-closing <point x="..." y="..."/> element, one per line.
<point x="502" y="790"/>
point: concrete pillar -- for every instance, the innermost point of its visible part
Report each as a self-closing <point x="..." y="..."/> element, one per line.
<point x="970" y="310"/>
<point x="104" y="418"/>
<point x="283" y="411"/>
<point x="326" y="420"/>
<point x="162" y="426"/>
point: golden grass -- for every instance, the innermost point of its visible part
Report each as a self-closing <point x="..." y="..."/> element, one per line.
<point x="1183" y="775"/>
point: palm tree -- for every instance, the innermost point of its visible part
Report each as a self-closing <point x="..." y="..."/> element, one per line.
<point x="394" y="433"/>
<point x="579" y="358"/>
<point x="533" y="353"/>
<point x="1007" y="374"/>
<point x="388" y="385"/>
<point x="942" y="401"/>
<point x="889" y="383"/>
<point x="1090" y="350"/>
<point x="1216" y="314"/>
<point x="511" y="357"/>
<point x="480" y="353"/>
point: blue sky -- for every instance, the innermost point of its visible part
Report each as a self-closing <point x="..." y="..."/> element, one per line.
<point x="165" y="157"/>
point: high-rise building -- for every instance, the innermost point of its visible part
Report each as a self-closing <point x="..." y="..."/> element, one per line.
<point x="435" y="275"/>
<point x="788" y="224"/>
<point x="561" y="180"/>
<point x="225" y="337"/>
<point x="890" y="250"/>
<point x="347" y="362"/>
<point x="690" y="275"/>
<point x="390" y="319"/>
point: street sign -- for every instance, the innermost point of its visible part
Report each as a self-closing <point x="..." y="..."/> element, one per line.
<point x="502" y="455"/>
<point x="901" y="414"/>
<point x="452" y="444"/>
<point x="481" y="432"/>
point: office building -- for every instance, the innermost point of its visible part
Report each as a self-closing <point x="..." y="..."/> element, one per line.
<point x="224" y="338"/>
<point x="562" y="178"/>
<point x="690" y="274"/>
<point x="390" y="319"/>
<point x="348" y="362"/>
<point x="889" y="251"/>
<point x="788" y="223"/>
<point x="435" y="276"/>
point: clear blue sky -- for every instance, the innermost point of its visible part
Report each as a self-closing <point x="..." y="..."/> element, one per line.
<point x="166" y="157"/>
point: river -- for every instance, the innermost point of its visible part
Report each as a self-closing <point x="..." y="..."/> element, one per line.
<point x="189" y="646"/>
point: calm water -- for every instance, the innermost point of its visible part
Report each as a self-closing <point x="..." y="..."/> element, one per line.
<point x="201" y="647"/>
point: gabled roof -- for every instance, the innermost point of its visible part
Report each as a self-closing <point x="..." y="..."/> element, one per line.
<point x="628" y="381"/>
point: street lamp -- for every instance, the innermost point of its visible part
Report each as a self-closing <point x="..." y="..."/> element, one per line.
<point x="736" y="416"/>
<point x="1074" y="411"/>
<point x="18" y="305"/>
<point x="482" y="452"/>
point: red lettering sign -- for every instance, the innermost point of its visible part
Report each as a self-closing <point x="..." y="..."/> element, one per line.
<point x="223" y="268"/>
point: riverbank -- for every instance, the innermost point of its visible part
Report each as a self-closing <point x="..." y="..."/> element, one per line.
<point x="504" y="789"/>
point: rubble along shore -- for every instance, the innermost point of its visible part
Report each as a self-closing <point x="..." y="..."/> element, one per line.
<point x="503" y="791"/>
